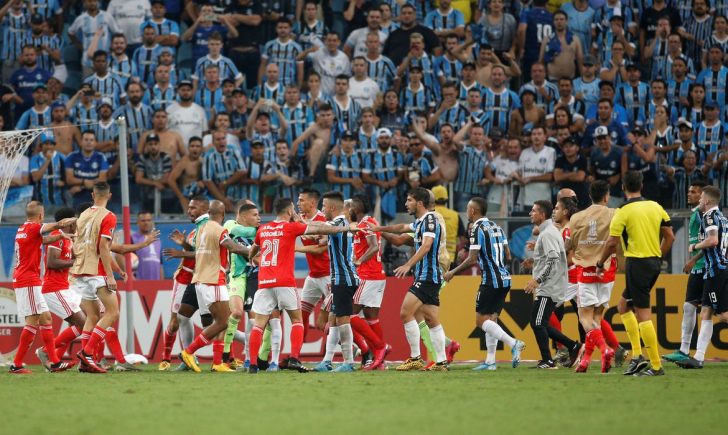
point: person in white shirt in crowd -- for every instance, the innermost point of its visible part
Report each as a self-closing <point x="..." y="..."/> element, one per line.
<point x="362" y="89"/>
<point x="328" y="61"/>
<point x="536" y="169"/>
<point x="186" y="117"/>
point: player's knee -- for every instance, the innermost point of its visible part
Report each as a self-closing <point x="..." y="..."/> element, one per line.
<point x="237" y="313"/>
<point x="320" y="323"/>
<point x="45" y="318"/>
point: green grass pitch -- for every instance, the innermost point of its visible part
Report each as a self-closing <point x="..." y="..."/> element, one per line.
<point x="463" y="401"/>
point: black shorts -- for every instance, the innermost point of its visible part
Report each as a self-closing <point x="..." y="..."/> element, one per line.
<point x="343" y="300"/>
<point x="715" y="292"/>
<point x="694" y="292"/>
<point x="640" y="276"/>
<point x="427" y="292"/>
<point x="490" y="300"/>
<point x="190" y="298"/>
<point x="250" y="289"/>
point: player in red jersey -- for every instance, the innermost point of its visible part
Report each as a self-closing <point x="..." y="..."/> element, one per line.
<point x="210" y="251"/>
<point x="317" y="285"/>
<point x="369" y="295"/>
<point x="27" y="285"/>
<point x="276" y="242"/>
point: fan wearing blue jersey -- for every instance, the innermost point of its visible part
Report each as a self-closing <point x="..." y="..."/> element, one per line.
<point x="535" y="27"/>
<point x="222" y="170"/>
<point x="106" y="83"/>
<point x="49" y="47"/>
<point x="418" y="57"/>
<point x="161" y="94"/>
<point x="283" y="52"/>
<point x="450" y="110"/>
<point x="14" y="18"/>
<point x="417" y="97"/>
<point x="118" y="62"/>
<point x="210" y="95"/>
<point x="146" y="56"/>
<point x="445" y="20"/>
<point x="260" y="126"/>
<point x="138" y="115"/>
<point x="39" y="115"/>
<point x="270" y="89"/>
<point x="310" y="31"/>
<point x="449" y="68"/>
<point x="207" y="22"/>
<point x="166" y="31"/>
<point x="214" y="57"/>
<point x="25" y="80"/>
<point x="92" y="22"/>
<point x="424" y="295"/>
<point x="384" y="169"/>
<point x="498" y="101"/>
<point x="346" y="110"/>
<point x="379" y="67"/>
<point x="489" y="249"/>
<point x="85" y="168"/>
<point x="48" y="172"/>
<point x="344" y="169"/>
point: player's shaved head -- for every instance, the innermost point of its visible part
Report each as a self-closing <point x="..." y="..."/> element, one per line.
<point x="34" y="209"/>
<point x="217" y="210"/>
<point x="102" y="189"/>
<point x="712" y="194"/>
<point x="480" y="206"/>
<point x="241" y="202"/>
<point x="565" y="193"/>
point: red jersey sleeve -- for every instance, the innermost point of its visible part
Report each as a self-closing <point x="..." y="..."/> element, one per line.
<point x="566" y="234"/>
<point x="224" y="236"/>
<point x="108" y="225"/>
<point x="257" y="237"/>
<point x="58" y="244"/>
<point x="297" y="228"/>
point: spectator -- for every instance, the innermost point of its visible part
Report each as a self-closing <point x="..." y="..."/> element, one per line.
<point x="380" y="68"/>
<point x="420" y="169"/>
<point x="27" y="79"/>
<point x="586" y="87"/>
<point x="535" y="23"/>
<point x="715" y="73"/>
<point x="161" y="95"/>
<point x="344" y="170"/>
<point x="244" y="49"/>
<point x="207" y="23"/>
<point x="210" y="95"/>
<point x="346" y="110"/>
<point x="367" y="134"/>
<point x="153" y="171"/>
<point x="674" y="52"/>
<point x="450" y="110"/>
<point x="418" y="57"/>
<point x="309" y="31"/>
<point x="257" y="167"/>
<point x="501" y="172"/>
<point x="659" y="90"/>
<point x="106" y="83"/>
<point x="150" y="257"/>
<point x="84" y="168"/>
<point x="619" y="113"/>
<point x="614" y="67"/>
<point x="498" y="101"/>
<point x="166" y="31"/>
<point x="529" y="114"/>
<point x="576" y="108"/>
<point x="383" y="171"/>
<point x="696" y="30"/>
<point x="328" y="61"/>
<point x="284" y="52"/>
<point x="473" y="108"/>
<point x="221" y="122"/>
<point x="397" y="45"/>
<point x="605" y="163"/>
<point x="643" y="158"/>
<point x="561" y="51"/>
<point x="355" y="45"/>
<point x="138" y="115"/>
<point x="719" y="37"/>
<point x="282" y="176"/>
<point x="604" y="119"/>
<point x="48" y="172"/>
<point x="66" y="135"/>
<point x="417" y="97"/>
<point x="500" y="28"/>
<point x="270" y="89"/>
<point x="649" y="17"/>
<point x="684" y="143"/>
<point x="448" y="67"/>
<point x="119" y="63"/>
<point x="473" y="159"/>
<point x="454" y="229"/>
<point x="581" y="16"/>
<point x="684" y="176"/>
<point x="107" y="131"/>
<point x="92" y="22"/>
<point x="222" y="170"/>
<point x="170" y="142"/>
<point x="48" y="47"/>
<point x="694" y="112"/>
<point x="239" y="113"/>
<point x="391" y="115"/>
<point x="298" y="117"/>
<point x="710" y="134"/>
<point x="146" y="56"/>
<point x="20" y="191"/>
<point x="536" y="169"/>
<point x="39" y="114"/>
<point x="185" y="180"/>
<point x="545" y="91"/>
<point x="260" y="127"/>
<point x="679" y="86"/>
<point x="657" y="50"/>
<point x="130" y="15"/>
<point x="15" y="18"/>
<point x="362" y="89"/>
<point x="226" y="66"/>
<point x="570" y="171"/>
<point x="387" y="25"/>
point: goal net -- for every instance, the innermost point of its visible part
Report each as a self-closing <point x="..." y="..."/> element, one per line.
<point x="13" y="146"/>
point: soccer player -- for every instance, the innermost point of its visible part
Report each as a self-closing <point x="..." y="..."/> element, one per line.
<point x="277" y="284"/>
<point x="210" y="249"/>
<point x="713" y="233"/>
<point x="487" y="247"/>
<point x="28" y="287"/>
<point x="93" y="272"/>
<point x="425" y="291"/>
<point x="695" y="267"/>
<point x="639" y="223"/>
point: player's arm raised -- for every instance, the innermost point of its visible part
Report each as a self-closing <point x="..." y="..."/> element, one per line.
<point x="425" y="247"/>
<point x="49" y="228"/>
<point x="399" y="240"/>
<point x="120" y="248"/>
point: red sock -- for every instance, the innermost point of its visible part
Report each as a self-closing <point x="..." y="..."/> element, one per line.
<point x="256" y="339"/>
<point x="67" y="335"/>
<point x="359" y="340"/>
<point x="376" y="327"/>
<point x="588" y="346"/>
<point x="306" y="310"/>
<point x="85" y="336"/>
<point x="168" y="344"/>
<point x="359" y="325"/>
<point x="218" y="346"/>
<point x="297" y="334"/>
<point x="598" y="339"/>
<point x="112" y="339"/>
<point x="62" y="349"/>
<point x="97" y="336"/>
<point x="608" y="335"/>
<point x="554" y="321"/>
<point x="46" y="334"/>
<point x="26" y="339"/>
<point x="101" y="349"/>
<point x="200" y="341"/>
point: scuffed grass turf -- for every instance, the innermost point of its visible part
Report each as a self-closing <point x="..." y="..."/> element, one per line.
<point x="462" y="401"/>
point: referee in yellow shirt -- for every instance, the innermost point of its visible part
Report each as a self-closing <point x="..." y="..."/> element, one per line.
<point x="639" y="223"/>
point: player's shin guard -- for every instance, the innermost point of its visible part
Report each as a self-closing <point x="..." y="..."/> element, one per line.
<point x="494" y="330"/>
<point x="690" y="315"/>
<point x="306" y="310"/>
<point x="491" y="343"/>
<point x="608" y="334"/>
<point x="256" y="340"/>
<point x="26" y="340"/>
<point x="647" y="330"/>
<point x="347" y="336"/>
<point x="112" y="339"/>
<point x="65" y="337"/>
<point x="332" y="339"/>
<point x="297" y="331"/>
<point x="186" y="330"/>
<point x="199" y="342"/>
<point x="633" y="332"/>
<point x="217" y="350"/>
<point x="46" y="334"/>
<point x="265" y="345"/>
<point x="598" y="339"/>
<point x="361" y="327"/>
<point x="376" y="327"/>
<point x="276" y="337"/>
<point x="412" y="331"/>
<point x="706" y="333"/>
<point x="230" y="332"/>
<point x="438" y="342"/>
<point x="97" y="336"/>
<point x="85" y="337"/>
<point x="426" y="339"/>
<point x="169" y="339"/>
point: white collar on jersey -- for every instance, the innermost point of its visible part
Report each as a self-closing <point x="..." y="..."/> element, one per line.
<point x="204" y="216"/>
<point x="423" y="216"/>
<point x="711" y="209"/>
<point x="483" y="219"/>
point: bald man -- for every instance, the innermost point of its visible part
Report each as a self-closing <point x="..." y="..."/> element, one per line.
<point x="565" y="193"/>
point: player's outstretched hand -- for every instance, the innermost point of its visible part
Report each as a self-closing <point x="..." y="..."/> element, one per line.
<point x="402" y="271"/>
<point x="152" y="237"/>
<point x="530" y="245"/>
<point x="355" y="229"/>
<point x="295" y="217"/>
<point x="372" y="228"/>
<point x="447" y="276"/>
<point x="178" y="237"/>
<point x="689" y="265"/>
<point x="124" y="276"/>
<point x="172" y="253"/>
<point x="531" y="286"/>
<point x="66" y="222"/>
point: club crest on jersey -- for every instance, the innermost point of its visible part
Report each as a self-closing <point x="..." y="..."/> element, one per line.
<point x="431" y="226"/>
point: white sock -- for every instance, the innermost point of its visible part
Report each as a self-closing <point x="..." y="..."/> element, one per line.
<point x="437" y="334"/>
<point x="239" y="337"/>
<point x="248" y="330"/>
<point x="347" y="340"/>
<point x="186" y="330"/>
<point x="276" y="336"/>
<point x="412" y="330"/>
<point x="331" y="341"/>
<point x="492" y="344"/>
<point x="706" y="333"/>
<point x="690" y="314"/>
<point x="493" y="329"/>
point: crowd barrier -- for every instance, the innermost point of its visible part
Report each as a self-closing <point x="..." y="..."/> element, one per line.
<point x="150" y="312"/>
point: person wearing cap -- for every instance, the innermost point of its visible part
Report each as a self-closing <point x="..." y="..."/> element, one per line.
<point x="152" y="172"/>
<point x="384" y="169"/>
<point x="642" y="157"/>
<point x="47" y="172"/>
<point x="605" y="163"/>
<point x="454" y="228"/>
<point x="570" y="171"/>
<point x="710" y="134"/>
<point x="87" y="25"/>
<point x="228" y="70"/>
<point x="545" y="91"/>
<point x="107" y="132"/>
<point x="586" y="87"/>
<point x="528" y="114"/>
<point x="344" y="170"/>
<point x="26" y="79"/>
<point x="66" y="135"/>
<point x="106" y="83"/>
<point x="161" y="93"/>
<point x="146" y="56"/>
<point x="618" y="132"/>
<point x="39" y="115"/>
<point x="632" y="95"/>
<point x="619" y="113"/>
<point x="685" y="142"/>
<point x="561" y="51"/>
<point x="47" y="46"/>
<point x="167" y="31"/>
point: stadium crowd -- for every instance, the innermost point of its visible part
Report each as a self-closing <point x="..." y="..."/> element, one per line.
<point x="256" y="99"/>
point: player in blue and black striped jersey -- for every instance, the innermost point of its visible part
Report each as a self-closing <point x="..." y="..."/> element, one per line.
<point x="489" y="249"/>
<point x="424" y="295"/>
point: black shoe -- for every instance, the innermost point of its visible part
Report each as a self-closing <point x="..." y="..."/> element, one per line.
<point x="651" y="372"/>
<point x="253" y="369"/>
<point x="636" y="365"/>
<point x="262" y="364"/>
<point x="575" y="355"/>
<point x="226" y="357"/>
<point x="367" y="359"/>
<point x="295" y="364"/>
<point x="545" y="364"/>
<point x="284" y="364"/>
<point x="690" y="363"/>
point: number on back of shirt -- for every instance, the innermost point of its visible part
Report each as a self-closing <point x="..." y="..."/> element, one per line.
<point x="269" y="257"/>
<point x="543" y="31"/>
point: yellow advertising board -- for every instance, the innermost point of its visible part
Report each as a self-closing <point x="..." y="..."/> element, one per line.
<point x="457" y="313"/>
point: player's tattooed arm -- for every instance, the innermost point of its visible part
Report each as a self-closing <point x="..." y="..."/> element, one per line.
<point x="711" y="240"/>
<point x="322" y="228"/>
<point x="469" y="262"/>
<point x="49" y="228"/>
<point x="120" y="248"/>
<point x="236" y="248"/>
<point x="253" y="252"/>
<point x="47" y="240"/>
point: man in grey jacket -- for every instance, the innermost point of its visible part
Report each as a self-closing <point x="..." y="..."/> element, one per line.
<point x="550" y="278"/>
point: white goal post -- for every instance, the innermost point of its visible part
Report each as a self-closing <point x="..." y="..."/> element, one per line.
<point x="13" y="146"/>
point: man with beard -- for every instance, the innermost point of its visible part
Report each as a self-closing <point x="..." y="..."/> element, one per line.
<point x="186" y="117"/>
<point x="188" y="171"/>
<point x="398" y="43"/>
<point x="138" y="115"/>
<point x="170" y="142"/>
<point x="39" y="115"/>
<point x="384" y="169"/>
<point x="105" y="82"/>
<point x="65" y="133"/>
<point x="161" y="95"/>
<point x="25" y="80"/>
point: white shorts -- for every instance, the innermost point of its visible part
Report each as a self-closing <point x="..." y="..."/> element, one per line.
<point x="571" y="290"/>
<point x="594" y="294"/>
<point x="87" y="286"/>
<point x="326" y="304"/>
<point x="315" y="289"/>
<point x="370" y="293"/>
<point x="64" y="303"/>
<point x="267" y="299"/>
<point x="209" y="294"/>
<point x="178" y="290"/>
<point x="30" y="301"/>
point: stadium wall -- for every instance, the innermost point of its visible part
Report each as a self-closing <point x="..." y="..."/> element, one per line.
<point x="151" y="308"/>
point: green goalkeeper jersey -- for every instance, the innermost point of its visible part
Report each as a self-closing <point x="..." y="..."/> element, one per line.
<point x="244" y="236"/>
<point x="693" y="238"/>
